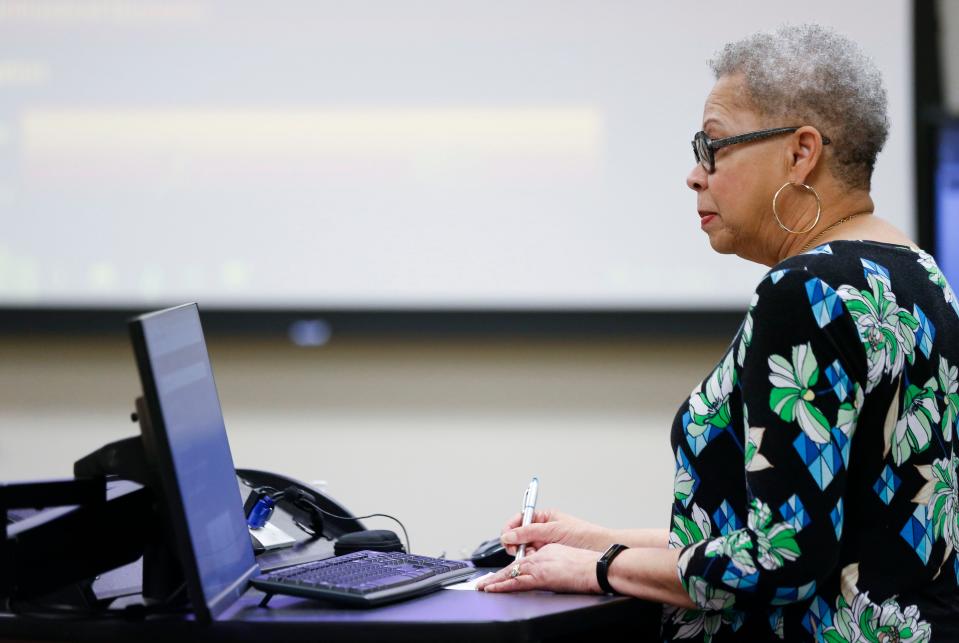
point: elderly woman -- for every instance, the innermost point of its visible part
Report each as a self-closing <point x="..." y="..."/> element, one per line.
<point x="815" y="494"/>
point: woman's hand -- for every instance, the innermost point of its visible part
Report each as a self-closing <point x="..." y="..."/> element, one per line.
<point x="558" y="568"/>
<point x="551" y="526"/>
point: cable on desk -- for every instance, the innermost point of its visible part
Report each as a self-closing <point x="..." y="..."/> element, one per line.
<point x="406" y="536"/>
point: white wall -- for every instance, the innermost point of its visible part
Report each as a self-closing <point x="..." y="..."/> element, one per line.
<point x="383" y="154"/>
<point x="452" y="430"/>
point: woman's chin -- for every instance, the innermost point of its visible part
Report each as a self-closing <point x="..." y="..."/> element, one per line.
<point x="720" y="242"/>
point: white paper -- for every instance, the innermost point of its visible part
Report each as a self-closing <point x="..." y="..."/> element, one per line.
<point x="469" y="584"/>
<point x="272" y="537"/>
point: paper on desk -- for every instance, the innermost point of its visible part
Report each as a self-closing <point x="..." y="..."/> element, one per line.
<point x="272" y="537"/>
<point x="469" y="584"/>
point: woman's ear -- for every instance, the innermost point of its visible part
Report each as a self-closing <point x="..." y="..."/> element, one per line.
<point x="804" y="153"/>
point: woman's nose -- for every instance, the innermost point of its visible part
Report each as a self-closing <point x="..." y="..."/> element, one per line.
<point x="696" y="179"/>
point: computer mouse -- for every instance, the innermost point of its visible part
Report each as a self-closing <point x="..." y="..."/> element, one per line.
<point x="491" y="553"/>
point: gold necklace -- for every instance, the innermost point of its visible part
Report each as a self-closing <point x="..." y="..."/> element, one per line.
<point x="830" y="227"/>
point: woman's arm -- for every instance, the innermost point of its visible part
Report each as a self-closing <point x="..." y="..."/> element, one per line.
<point x="649" y="538"/>
<point x="649" y="574"/>
<point x="643" y="572"/>
<point x="551" y="526"/>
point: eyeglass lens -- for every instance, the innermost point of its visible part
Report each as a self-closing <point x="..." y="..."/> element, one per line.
<point x="702" y="152"/>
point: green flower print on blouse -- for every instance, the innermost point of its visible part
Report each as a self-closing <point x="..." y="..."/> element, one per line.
<point x="848" y="413"/>
<point x="863" y="620"/>
<point x="949" y="386"/>
<point x="920" y="413"/>
<point x="747" y="335"/>
<point x="940" y="494"/>
<point x="709" y="403"/>
<point x="683" y="481"/>
<point x="694" y="529"/>
<point x="755" y="461"/>
<point x="737" y="546"/>
<point x="715" y="604"/>
<point x="792" y="394"/>
<point x="775" y="544"/>
<point x="936" y="277"/>
<point x="886" y="329"/>
<point x="859" y="619"/>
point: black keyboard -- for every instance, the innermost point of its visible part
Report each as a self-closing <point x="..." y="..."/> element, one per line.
<point x="365" y="578"/>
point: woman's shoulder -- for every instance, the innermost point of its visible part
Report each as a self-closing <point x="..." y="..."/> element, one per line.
<point x="847" y="256"/>
<point x="856" y="263"/>
<point x="875" y="279"/>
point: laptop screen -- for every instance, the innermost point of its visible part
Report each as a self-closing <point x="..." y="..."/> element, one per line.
<point x="186" y="439"/>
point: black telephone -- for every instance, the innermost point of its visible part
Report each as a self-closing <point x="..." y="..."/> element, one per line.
<point x="310" y="517"/>
<point x="298" y="514"/>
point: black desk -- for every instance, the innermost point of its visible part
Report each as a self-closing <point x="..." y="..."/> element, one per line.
<point x="448" y="615"/>
<point x="445" y="615"/>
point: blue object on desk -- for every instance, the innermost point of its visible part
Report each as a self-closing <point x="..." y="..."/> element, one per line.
<point x="261" y="513"/>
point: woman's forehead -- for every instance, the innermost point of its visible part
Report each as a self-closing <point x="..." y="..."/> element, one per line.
<point x="727" y="105"/>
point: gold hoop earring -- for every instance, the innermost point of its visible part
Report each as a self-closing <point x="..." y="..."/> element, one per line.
<point x="818" y="207"/>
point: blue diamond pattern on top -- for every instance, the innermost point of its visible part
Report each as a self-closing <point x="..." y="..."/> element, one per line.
<point x="735" y="578"/>
<point x="785" y="595"/>
<point x="683" y="461"/>
<point x="726" y="519"/>
<point x="777" y="275"/>
<point x="699" y="443"/>
<point x="775" y="617"/>
<point x="826" y="305"/>
<point x="794" y="513"/>
<point x="918" y="533"/>
<point x="925" y="333"/>
<point x="841" y="441"/>
<point x="836" y="515"/>
<point x="818" y="618"/>
<point x="838" y="380"/>
<point x="820" y="250"/>
<point x="873" y="268"/>
<point x="886" y="485"/>
<point x="822" y="460"/>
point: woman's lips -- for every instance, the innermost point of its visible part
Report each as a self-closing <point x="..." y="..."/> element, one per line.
<point x="705" y="218"/>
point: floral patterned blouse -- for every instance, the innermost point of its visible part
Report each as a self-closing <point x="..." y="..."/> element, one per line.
<point x="815" y="495"/>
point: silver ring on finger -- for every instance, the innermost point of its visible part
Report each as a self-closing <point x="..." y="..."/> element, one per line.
<point x="514" y="572"/>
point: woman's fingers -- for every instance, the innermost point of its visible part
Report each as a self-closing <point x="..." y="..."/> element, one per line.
<point x="522" y="583"/>
<point x="512" y="578"/>
<point x="558" y="568"/>
<point x="540" y="530"/>
<point x="537" y="532"/>
<point x="515" y="521"/>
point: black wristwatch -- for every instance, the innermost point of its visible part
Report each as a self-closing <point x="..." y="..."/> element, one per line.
<point x="602" y="567"/>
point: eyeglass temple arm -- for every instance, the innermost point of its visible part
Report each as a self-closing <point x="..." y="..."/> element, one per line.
<point x="753" y="136"/>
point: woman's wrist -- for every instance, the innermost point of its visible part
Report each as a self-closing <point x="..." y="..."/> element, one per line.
<point x="607" y="537"/>
<point x="649" y="574"/>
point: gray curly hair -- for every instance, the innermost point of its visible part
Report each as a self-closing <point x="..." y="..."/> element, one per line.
<point x="812" y="75"/>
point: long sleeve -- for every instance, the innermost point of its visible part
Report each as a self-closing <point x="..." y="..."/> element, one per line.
<point x="798" y="372"/>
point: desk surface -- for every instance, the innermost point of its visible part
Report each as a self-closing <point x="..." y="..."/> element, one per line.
<point x="447" y="614"/>
<point x="460" y="615"/>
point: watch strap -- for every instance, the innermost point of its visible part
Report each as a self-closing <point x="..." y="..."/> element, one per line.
<point x="602" y="567"/>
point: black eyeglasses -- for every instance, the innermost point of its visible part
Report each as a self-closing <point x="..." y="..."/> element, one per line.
<point x="704" y="149"/>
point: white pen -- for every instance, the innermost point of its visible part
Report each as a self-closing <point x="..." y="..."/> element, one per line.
<point x="529" y="504"/>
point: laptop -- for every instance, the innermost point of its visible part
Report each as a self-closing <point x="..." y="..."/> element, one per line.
<point x="185" y="440"/>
